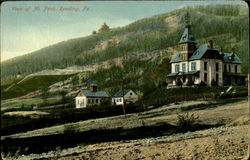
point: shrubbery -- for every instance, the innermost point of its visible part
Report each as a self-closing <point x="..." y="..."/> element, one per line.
<point x="186" y="121"/>
<point x="70" y="129"/>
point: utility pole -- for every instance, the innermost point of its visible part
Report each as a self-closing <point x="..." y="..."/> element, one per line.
<point x="123" y="104"/>
<point x="123" y="99"/>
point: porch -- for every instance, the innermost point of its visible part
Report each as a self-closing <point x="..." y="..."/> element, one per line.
<point x="183" y="79"/>
<point x="234" y="79"/>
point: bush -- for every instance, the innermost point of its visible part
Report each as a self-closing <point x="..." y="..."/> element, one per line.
<point x="71" y="129"/>
<point x="178" y="82"/>
<point x="214" y="83"/>
<point x="190" y="82"/>
<point x="202" y="84"/>
<point x="186" y="121"/>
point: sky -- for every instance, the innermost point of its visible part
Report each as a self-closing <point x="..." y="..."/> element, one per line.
<point x="29" y="26"/>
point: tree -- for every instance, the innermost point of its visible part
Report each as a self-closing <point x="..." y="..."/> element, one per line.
<point x="104" y="27"/>
<point x="94" y="32"/>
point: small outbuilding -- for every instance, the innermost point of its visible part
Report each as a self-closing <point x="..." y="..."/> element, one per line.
<point x="90" y="97"/>
<point x="129" y="96"/>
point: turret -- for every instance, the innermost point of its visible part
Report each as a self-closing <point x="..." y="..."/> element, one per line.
<point x="187" y="43"/>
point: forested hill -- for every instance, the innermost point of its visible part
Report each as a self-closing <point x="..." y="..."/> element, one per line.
<point x="226" y="25"/>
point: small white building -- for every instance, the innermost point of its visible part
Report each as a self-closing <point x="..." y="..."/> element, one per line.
<point x="90" y="97"/>
<point x="129" y="96"/>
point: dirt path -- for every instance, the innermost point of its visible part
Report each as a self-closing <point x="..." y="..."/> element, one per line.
<point x="215" y="143"/>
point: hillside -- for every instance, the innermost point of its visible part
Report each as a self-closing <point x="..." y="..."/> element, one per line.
<point x="39" y="119"/>
<point x="220" y="23"/>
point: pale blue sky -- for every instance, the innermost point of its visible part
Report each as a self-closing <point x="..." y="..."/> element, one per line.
<point x="25" y="31"/>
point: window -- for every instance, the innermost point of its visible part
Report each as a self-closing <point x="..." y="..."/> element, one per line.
<point x="184" y="38"/>
<point x="177" y="68"/>
<point x="217" y="67"/>
<point x="235" y="68"/>
<point x="120" y="99"/>
<point x="205" y="66"/>
<point x="193" y="66"/>
<point x="183" y="56"/>
<point x="88" y="100"/>
<point x="93" y="101"/>
<point x="205" y="77"/>
<point x="229" y="68"/>
<point x="96" y="100"/>
<point x="217" y="77"/>
<point x="225" y="68"/>
<point x="183" y="67"/>
<point x="131" y="93"/>
<point x="183" y="48"/>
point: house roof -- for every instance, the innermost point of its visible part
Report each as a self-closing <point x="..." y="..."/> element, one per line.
<point x="176" y="58"/>
<point x="93" y="85"/>
<point x="98" y="94"/>
<point x="187" y="36"/>
<point x="198" y="54"/>
<point x="120" y="93"/>
<point x="228" y="58"/>
<point x="172" y="74"/>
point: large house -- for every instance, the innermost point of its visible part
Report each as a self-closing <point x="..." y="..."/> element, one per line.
<point x="127" y="94"/>
<point x="193" y="66"/>
<point x="90" y="97"/>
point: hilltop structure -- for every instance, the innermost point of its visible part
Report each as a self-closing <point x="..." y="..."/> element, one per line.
<point x="90" y="97"/>
<point x="127" y="94"/>
<point x="205" y="64"/>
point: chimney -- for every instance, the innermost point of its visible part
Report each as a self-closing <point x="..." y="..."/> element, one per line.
<point x="93" y="87"/>
<point x="210" y="43"/>
<point x="232" y="50"/>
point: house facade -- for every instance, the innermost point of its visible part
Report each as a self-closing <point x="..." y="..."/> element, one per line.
<point x="129" y="96"/>
<point x="193" y="66"/>
<point x="90" y="97"/>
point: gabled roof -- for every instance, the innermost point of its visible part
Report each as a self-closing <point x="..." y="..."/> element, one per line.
<point x="121" y="93"/>
<point x="187" y="36"/>
<point x="176" y="58"/>
<point x="198" y="54"/>
<point x="228" y="58"/>
<point x="98" y="94"/>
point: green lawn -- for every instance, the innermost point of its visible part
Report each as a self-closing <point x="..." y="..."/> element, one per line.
<point x="32" y="84"/>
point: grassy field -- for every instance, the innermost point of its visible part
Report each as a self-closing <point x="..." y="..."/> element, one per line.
<point x="156" y="122"/>
<point x="31" y="84"/>
<point x="17" y="103"/>
<point x="8" y="82"/>
<point x="145" y="118"/>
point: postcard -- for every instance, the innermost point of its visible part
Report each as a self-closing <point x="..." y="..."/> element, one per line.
<point x="124" y="80"/>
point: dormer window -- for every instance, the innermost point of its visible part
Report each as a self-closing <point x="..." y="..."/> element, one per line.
<point x="184" y="38"/>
